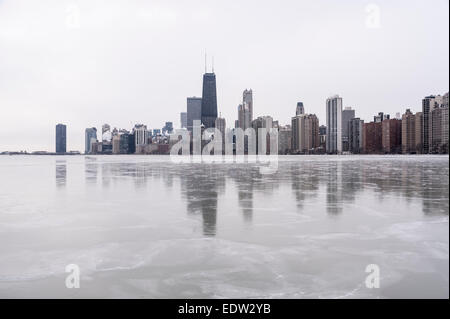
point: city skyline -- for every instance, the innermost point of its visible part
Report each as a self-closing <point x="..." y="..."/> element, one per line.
<point x="139" y="63"/>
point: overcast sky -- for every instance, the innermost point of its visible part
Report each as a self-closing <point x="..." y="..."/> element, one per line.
<point x="88" y="62"/>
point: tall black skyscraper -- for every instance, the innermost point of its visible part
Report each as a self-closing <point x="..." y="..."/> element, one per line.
<point x="61" y="138"/>
<point x="209" y="100"/>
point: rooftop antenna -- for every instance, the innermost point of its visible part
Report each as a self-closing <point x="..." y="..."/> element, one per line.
<point x="213" y="64"/>
<point x="205" y="63"/>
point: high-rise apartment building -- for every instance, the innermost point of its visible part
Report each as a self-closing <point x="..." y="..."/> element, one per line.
<point x="284" y="140"/>
<point x="408" y="133"/>
<point x="247" y="99"/>
<point x="334" y="125"/>
<point x="347" y="115"/>
<point x="61" y="139"/>
<point x="429" y="103"/>
<point x="305" y="133"/>
<point x="355" y="134"/>
<point x="372" y="138"/>
<point x="392" y="136"/>
<point x="419" y="132"/>
<point x="90" y="136"/>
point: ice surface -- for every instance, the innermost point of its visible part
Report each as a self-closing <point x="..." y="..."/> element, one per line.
<point x="144" y="227"/>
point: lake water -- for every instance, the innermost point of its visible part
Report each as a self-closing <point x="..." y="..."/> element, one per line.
<point x="144" y="227"/>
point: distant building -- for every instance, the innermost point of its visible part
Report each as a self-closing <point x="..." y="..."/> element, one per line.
<point x="381" y="117"/>
<point x="334" y="125"/>
<point x="323" y="137"/>
<point x="221" y="126"/>
<point x="245" y="110"/>
<point x="90" y="136"/>
<point x="305" y="133"/>
<point x="392" y="136"/>
<point x="284" y="140"/>
<point x="262" y="122"/>
<point x="347" y="115"/>
<point x="372" y="138"/>
<point x="61" y="139"/>
<point x="168" y="128"/>
<point x="355" y="134"/>
<point x="247" y="99"/>
<point x="408" y="133"/>
<point x="183" y="119"/>
<point x="194" y="111"/>
<point x="429" y="103"/>
<point x="209" y="100"/>
<point x="141" y="137"/>
<point x="300" y="110"/>
<point x="419" y="132"/>
<point x="116" y="144"/>
<point x="439" y="130"/>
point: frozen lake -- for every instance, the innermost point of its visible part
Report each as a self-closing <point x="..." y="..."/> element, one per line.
<point x="144" y="227"/>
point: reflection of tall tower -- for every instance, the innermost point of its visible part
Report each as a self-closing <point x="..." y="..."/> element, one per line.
<point x="209" y="100"/>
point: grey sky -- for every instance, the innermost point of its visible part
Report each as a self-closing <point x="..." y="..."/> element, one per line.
<point x="85" y="62"/>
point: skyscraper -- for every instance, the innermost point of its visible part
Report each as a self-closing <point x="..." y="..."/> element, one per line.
<point x="408" y="132"/>
<point x="305" y="133"/>
<point x="429" y="103"/>
<point x="300" y="109"/>
<point x="247" y="99"/>
<point x="209" y="100"/>
<point x="245" y="110"/>
<point x="90" y="136"/>
<point x="334" y="125"/>
<point x="347" y="115"/>
<point x="61" y="141"/>
<point x="194" y="111"/>
<point x="244" y="116"/>
<point x="355" y="139"/>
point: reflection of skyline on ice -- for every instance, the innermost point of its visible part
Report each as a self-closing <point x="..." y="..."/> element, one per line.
<point x="143" y="226"/>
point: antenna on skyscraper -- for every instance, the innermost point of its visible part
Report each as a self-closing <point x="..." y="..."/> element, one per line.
<point x="213" y="64"/>
<point x="205" y="64"/>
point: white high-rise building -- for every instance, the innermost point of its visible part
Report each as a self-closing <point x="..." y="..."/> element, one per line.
<point x="141" y="134"/>
<point x="334" y="125"/>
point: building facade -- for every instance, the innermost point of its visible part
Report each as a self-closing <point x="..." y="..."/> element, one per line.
<point x="408" y="133"/>
<point x="334" y="125"/>
<point x="194" y="111"/>
<point x="209" y="100"/>
<point x="305" y="133"/>
<point x="61" y="138"/>
<point x="392" y="136"/>
<point x="347" y="115"/>
<point x="355" y="134"/>
<point x="90" y="136"/>
<point x="372" y="138"/>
